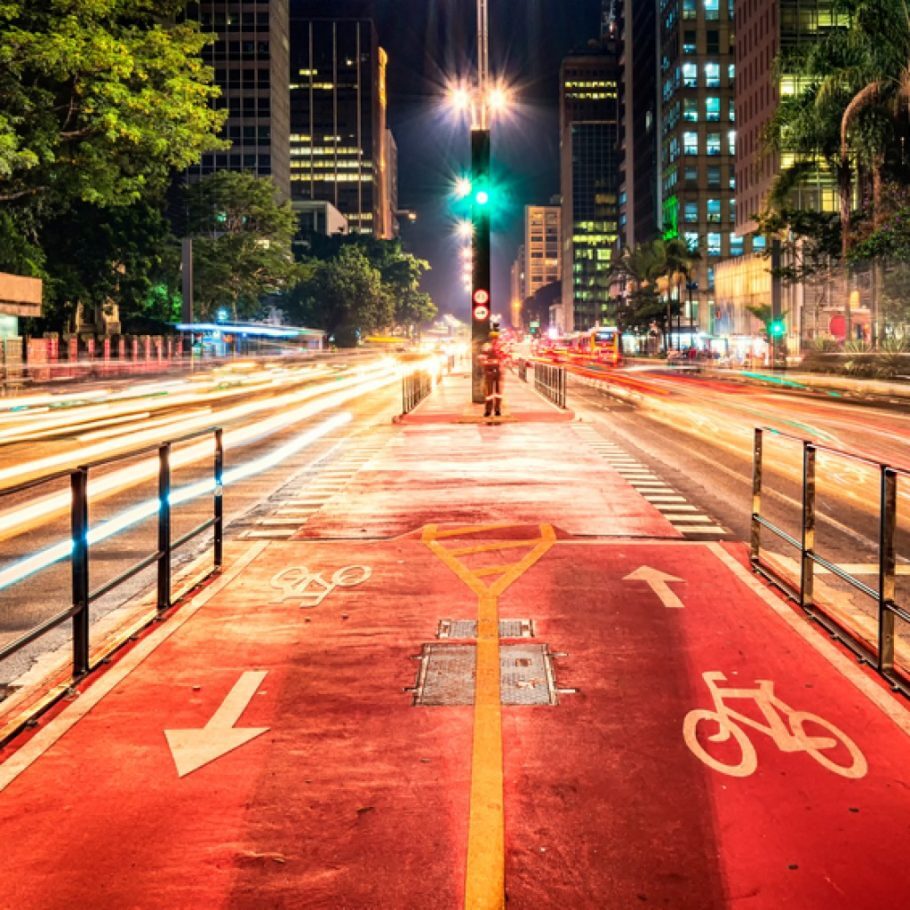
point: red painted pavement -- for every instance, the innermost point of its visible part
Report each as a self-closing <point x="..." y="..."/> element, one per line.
<point x="356" y="799"/>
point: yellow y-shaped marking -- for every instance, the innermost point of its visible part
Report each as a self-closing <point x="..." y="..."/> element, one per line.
<point x="485" y="871"/>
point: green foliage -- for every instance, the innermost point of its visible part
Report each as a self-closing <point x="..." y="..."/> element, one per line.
<point x="400" y="274"/>
<point x="345" y="296"/>
<point x="241" y="243"/>
<point x="101" y="100"/>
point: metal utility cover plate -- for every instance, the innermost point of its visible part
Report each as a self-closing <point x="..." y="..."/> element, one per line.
<point x="466" y="629"/>
<point x="447" y="675"/>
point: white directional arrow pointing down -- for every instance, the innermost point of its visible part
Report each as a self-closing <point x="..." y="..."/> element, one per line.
<point x="194" y="748"/>
<point x="660" y="583"/>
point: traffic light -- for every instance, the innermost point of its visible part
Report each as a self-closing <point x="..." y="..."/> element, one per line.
<point x="777" y="328"/>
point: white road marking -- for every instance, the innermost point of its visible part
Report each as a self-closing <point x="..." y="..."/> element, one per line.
<point x="23" y="758"/>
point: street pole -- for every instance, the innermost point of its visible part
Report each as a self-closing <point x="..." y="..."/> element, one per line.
<point x="481" y="299"/>
<point x="775" y="297"/>
<point x="187" y="304"/>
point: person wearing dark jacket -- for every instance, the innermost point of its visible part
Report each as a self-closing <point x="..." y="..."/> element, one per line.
<point x="492" y="362"/>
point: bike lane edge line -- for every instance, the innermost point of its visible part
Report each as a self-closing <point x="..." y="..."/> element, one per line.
<point x="864" y="684"/>
<point x="23" y="758"/>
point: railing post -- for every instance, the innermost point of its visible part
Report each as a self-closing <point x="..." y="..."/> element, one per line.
<point x="886" y="569"/>
<point x="79" y="532"/>
<point x="807" y="563"/>
<point x="219" y="498"/>
<point x="756" y="495"/>
<point x="164" y="526"/>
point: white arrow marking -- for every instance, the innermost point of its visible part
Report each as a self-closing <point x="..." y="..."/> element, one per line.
<point x="194" y="748"/>
<point x="660" y="584"/>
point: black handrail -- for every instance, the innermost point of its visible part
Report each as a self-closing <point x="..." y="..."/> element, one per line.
<point x="414" y="388"/>
<point x="82" y="595"/>
<point x="550" y="381"/>
<point x="881" y="657"/>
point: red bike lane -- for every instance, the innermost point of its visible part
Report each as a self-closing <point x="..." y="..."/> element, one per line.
<point x="354" y="797"/>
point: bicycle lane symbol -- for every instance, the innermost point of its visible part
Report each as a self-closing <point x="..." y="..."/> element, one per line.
<point x="310" y="589"/>
<point x="791" y="731"/>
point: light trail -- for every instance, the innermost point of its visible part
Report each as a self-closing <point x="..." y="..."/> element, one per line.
<point x="23" y="568"/>
<point x="21" y="519"/>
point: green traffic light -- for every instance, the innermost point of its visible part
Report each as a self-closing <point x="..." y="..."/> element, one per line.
<point x="482" y="197"/>
<point x="778" y="328"/>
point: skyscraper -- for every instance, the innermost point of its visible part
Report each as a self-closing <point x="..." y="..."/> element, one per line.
<point x="542" y="247"/>
<point x="697" y="140"/>
<point x="639" y="171"/>
<point x="250" y="59"/>
<point x="589" y="118"/>
<point x="339" y="145"/>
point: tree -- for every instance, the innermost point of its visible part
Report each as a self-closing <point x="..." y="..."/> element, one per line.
<point x="241" y="242"/>
<point x="100" y="100"/>
<point x="345" y="297"/>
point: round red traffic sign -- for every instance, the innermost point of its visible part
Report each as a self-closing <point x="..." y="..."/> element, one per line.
<point x="481" y="312"/>
<point x="481" y="297"/>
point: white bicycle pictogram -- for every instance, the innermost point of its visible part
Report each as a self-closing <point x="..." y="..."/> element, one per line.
<point x="310" y="588"/>
<point x="791" y="731"/>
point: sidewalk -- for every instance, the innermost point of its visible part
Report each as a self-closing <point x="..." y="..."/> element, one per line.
<point x="486" y="668"/>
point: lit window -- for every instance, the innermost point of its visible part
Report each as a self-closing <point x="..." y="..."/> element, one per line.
<point x="689" y="42"/>
<point x="713" y="144"/>
<point x="690" y="110"/>
<point x="731" y="141"/>
<point x="758" y="243"/>
<point x="690" y="75"/>
<point x="713" y="244"/>
<point x="712" y="108"/>
<point x="712" y="9"/>
<point x="712" y="75"/>
<point x="690" y="212"/>
<point x="690" y="9"/>
<point x="736" y="245"/>
<point x="691" y="238"/>
<point x="714" y="211"/>
<point x="690" y="143"/>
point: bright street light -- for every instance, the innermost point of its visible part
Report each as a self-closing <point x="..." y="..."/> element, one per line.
<point x="462" y="187"/>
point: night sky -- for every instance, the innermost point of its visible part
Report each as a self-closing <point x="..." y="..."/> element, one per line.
<point x="429" y="41"/>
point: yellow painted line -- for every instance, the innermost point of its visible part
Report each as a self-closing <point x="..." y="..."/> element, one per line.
<point x="488" y="547"/>
<point x="472" y="529"/>
<point x="485" y="867"/>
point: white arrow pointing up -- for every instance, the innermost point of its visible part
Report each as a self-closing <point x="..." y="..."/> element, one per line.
<point x="660" y="583"/>
<point x="194" y="748"/>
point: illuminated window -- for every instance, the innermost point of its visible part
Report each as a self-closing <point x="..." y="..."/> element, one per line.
<point x="689" y="42"/>
<point x="714" y="211"/>
<point x="712" y="75"/>
<point x="692" y="239"/>
<point x="712" y="9"/>
<point x="690" y="212"/>
<point x="712" y="108"/>
<point x="690" y="75"/>
<point x="690" y="110"/>
<point x="690" y="143"/>
<point x="713" y="144"/>
<point x="713" y="243"/>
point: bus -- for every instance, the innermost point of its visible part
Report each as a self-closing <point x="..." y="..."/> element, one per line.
<point x="601" y="345"/>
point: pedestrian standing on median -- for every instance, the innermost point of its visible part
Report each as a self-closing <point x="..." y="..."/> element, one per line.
<point x="491" y="361"/>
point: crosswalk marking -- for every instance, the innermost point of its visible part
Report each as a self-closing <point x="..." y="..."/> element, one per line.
<point x="687" y="519"/>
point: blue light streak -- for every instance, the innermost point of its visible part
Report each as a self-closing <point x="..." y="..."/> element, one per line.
<point x="21" y="569"/>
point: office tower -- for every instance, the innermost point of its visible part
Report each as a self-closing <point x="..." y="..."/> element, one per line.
<point x="517" y="289"/>
<point x="766" y="30"/>
<point x="589" y="118"/>
<point x="542" y="247"/>
<point x="250" y="60"/>
<point x="697" y="141"/>
<point x="339" y="148"/>
<point x="639" y="171"/>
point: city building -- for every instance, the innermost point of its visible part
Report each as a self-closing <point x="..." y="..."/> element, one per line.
<point x="697" y="148"/>
<point x="766" y="32"/>
<point x="517" y="289"/>
<point x="589" y="118"/>
<point x="542" y="247"/>
<point x="639" y="173"/>
<point x="339" y="147"/>
<point x="250" y="59"/>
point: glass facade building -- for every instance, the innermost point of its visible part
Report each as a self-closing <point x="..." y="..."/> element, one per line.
<point x="697" y="141"/>
<point x="250" y="58"/>
<point x="590" y="128"/>
<point x="339" y="146"/>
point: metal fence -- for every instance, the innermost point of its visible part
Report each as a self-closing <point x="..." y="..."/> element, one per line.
<point x="521" y="367"/>
<point x="550" y="381"/>
<point x="414" y="388"/>
<point x="881" y="654"/>
<point x="80" y="555"/>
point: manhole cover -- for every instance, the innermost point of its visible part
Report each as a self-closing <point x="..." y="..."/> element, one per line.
<point x="467" y="628"/>
<point x="447" y="672"/>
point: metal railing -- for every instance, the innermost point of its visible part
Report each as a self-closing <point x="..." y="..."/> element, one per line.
<point x="521" y="367"/>
<point x="414" y="388"/>
<point x="882" y="656"/>
<point x="82" y="595"/>
<point x="550" y="381"/>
